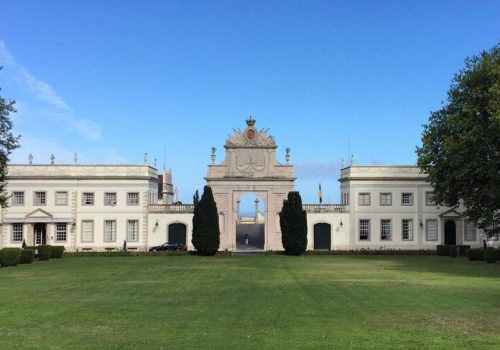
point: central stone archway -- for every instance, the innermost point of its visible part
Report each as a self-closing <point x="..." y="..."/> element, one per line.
<point x="250" y="165"/>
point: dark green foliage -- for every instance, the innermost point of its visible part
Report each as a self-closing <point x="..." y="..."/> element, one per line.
<point x="44" y="252"/>
<point x="56" y="252"/>
<point x="10" y="256"/>
<point x="27" y="256"/>
<point x="461" y="143"/>
<point x="475" y="254"/>
<point x="453" y="252"/>
<point x="445" y="250"/>
<point x="24" y="244"/>
<point x="206" y="234"/>
<point x="491" y="255"/>
<point x="293" y="223"/>
<point x="8" y="143"/>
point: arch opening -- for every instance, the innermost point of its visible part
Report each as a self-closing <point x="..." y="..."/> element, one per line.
<point x="250" y="222"/>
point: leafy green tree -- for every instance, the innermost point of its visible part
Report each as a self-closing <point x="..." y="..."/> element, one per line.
<point x="8" y="143"/>
<point x="293" y="222"/>
<point x="206" y="234"/>
<point x="461" y="143"/>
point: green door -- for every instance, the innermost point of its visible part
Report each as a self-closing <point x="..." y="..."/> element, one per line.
<point x="177" y="233"/>
<point x="322" y="237"/>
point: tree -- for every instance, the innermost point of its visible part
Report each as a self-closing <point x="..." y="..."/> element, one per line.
<point x="8" y="143"/>
<point x="206" y="234"/>
<point x="461" y="143"/>
<point x="293" y="222"/>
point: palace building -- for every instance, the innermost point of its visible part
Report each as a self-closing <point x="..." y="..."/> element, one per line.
<point x="99" y="207"/>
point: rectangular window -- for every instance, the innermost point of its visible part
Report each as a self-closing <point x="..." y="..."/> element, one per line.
<point x="61" y="198"/>
<point x="61" y="232"/>
<point x="364" y="198"/>
<point x="385" y="230"/>
<point x="470" y="231"/>
<point x="17" y="233"/>
<point x="429" y="199"/>
<point x="88" y="231"/>
<point x="407" y="199"/>
<point x="364" y="229"/>
<point x="110" y="198"/>
<point x="88" y="198"/>
<point x="109" y="230"/>
<point x="40" y="198"/>
<point x="431" y="230"/>
<point x="132" y="230"/>
<point x="133" y="198"/>
<point x="386" y="199"/>
<point x="17" y="198"/>
<point x="407" y="229"/>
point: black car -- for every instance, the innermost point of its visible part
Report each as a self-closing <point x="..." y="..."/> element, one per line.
<point x="168" y="246"/>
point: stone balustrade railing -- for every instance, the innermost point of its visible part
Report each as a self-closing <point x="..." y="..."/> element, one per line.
<point x="325" y="208"/>
<point x="171" y="208"/>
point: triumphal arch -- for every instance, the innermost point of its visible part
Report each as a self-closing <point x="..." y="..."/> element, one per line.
<point x="250" y="166"/>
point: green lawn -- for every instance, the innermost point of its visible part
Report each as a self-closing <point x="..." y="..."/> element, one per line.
<point x="255" y="302"/>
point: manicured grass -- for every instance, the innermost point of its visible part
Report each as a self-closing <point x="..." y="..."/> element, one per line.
<point x="256" y="302"/>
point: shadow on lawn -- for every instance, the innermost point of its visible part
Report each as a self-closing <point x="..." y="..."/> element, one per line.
<point x="459" y="266"/>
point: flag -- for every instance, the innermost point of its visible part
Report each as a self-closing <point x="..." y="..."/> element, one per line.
<point x="320" y="194"/>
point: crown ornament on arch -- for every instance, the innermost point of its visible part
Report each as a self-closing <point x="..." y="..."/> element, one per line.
<point x="250" y="121"/>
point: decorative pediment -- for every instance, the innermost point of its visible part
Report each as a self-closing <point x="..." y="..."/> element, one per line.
<point x="451" y="213"/>
<point x="250" y="137"/>
<point x="39" y="214"/>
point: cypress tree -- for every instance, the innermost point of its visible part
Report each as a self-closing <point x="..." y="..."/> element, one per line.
<point x="293" y="222"/>
<point x="206" y="234"/>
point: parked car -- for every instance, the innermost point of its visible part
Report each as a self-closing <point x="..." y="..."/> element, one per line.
<point x="168" y="246"/>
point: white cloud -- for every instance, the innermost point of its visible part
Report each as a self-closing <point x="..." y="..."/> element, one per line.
<point x="46" y="94"/>
<point x="318" y="169"/>
<point x="42" y="148"/>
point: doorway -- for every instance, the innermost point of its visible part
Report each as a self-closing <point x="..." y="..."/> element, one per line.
<point x="176" y="233"/>
<point x="40" y="234"/>
<point x="250" y="223"/>
<point x="450" y="233"/>
<point x="322" y="237"/>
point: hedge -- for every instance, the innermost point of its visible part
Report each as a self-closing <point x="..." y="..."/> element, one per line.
<point x="475" y="254"/>
<point x="491" y="255"/>
<point x="10" y="256"/>
<point x="445" y="250"/>
<point x="56" y="251"/>
<point x="44" y="252"/>
<point x="27" y="256"/>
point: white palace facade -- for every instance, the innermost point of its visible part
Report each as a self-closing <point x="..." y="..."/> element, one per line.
<point x="99" y="207"/>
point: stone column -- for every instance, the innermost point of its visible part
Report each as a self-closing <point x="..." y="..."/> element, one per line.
<point x="256" y="210"/>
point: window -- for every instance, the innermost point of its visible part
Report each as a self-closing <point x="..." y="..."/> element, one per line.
<point x="132" y="230"/>
<point x="61" y="230"/>
<point x="364" y="199"/>
<point x="407" y="229"/>
<point x="470" y="231"/>
<point x="87" y="231"/>
<point x="40" y="198"/>
<point x="109" y="230"/>
<point x="385" y="230"/>
<point x="407" y="198"/>
<point x="429" y="199"/>
<point x="133" y="198"/>
<point x="345" y="198"/>
<point x="110" y="198"/>
<point x="88" y="198"/>
<point x="61" y="198"/>
<point x="386" y="199"/>
<point x="17" y="198"/>
<point x="431" y="230"/>
<point x="17" y="233"/>
<point x="364" y="229"/>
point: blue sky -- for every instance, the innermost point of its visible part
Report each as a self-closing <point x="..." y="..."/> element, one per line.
<point x="111" y="80"/>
